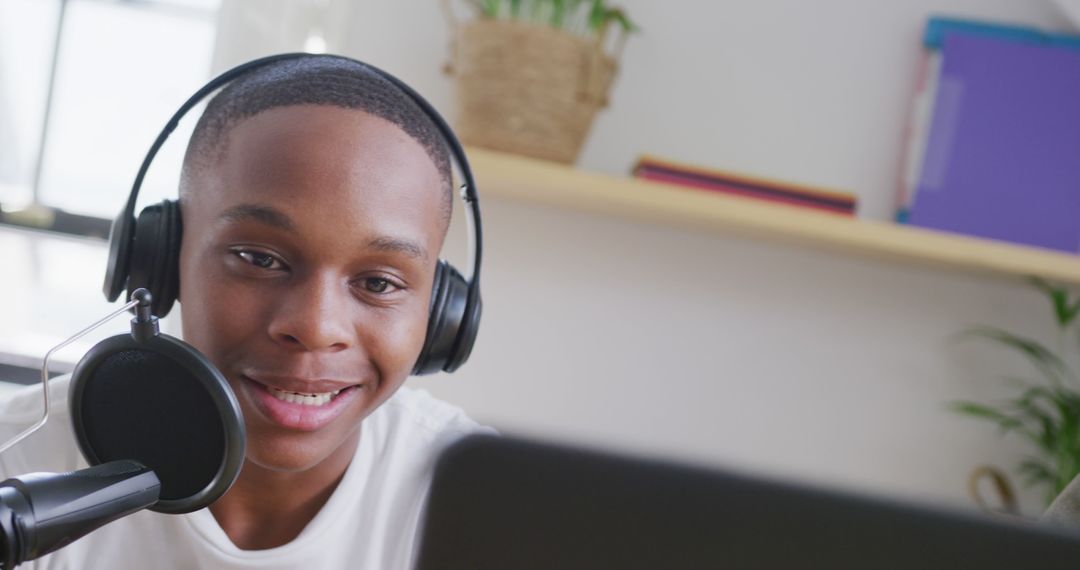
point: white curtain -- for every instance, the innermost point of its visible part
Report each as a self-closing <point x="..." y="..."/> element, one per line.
<point x="9" y="151"/>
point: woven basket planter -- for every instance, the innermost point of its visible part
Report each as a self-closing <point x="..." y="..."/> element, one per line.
<point x="527" y="89"/>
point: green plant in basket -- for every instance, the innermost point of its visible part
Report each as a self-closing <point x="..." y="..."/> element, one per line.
<point x="581" y="17"/>
<point x="531" y="75"/>
<point x="1046" y="409"/>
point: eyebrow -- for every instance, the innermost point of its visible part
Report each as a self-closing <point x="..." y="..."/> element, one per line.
<point x="259" y="213"/>
<point x="393" y="245"/>
<point x="273" y="217"/>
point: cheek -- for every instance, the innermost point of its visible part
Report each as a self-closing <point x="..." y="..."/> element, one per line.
<point x="394" y="341"/>
<point x="393" y="338"/>
<point x="216" y="315"/>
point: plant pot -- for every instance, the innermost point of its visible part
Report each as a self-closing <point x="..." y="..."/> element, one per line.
<point x="528" y="89"/>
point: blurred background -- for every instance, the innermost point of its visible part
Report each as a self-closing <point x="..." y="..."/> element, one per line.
<point x="711" y="347"/>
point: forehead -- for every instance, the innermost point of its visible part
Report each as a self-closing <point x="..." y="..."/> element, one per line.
<point x="322" y="163"/>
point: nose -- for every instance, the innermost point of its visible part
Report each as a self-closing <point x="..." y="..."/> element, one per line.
<point x="314" y="315"/>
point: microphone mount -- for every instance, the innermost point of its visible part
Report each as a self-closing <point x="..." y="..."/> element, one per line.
<point x="43" y="512"/>
<point x="143" y="327"/>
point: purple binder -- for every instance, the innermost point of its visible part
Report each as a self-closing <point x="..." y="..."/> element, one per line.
<point x="1003" y="156"/>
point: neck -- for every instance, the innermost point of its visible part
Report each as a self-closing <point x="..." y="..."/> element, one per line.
<point x="267" y="508"/>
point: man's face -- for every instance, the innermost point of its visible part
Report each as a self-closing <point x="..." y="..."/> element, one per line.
<point x="306" y="270"/>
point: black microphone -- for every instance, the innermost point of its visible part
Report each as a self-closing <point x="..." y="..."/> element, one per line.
<point x="43" y="512"/>
<point x="157" y="422"/>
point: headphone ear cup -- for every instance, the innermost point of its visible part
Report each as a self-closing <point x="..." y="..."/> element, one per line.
<point x="466" y="334"/>
<point x="169" y="282"/>
<point x="116" y="271"/>
<point x="447" y="309"/>
<point x="155" y="255"/>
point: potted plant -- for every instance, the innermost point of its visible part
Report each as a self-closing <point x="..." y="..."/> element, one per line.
<point x="1046" y="408"/>
<point x="532" y="74"/>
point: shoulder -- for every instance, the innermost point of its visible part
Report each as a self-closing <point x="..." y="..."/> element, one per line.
<point x="406" y="434"/>
<point x="25" y="404"/>
<point x="416" y="416"/>
<point x="51" y="448"/>
<point x="1065" y="510"/>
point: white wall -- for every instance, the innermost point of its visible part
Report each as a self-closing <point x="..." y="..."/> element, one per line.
<point x="711" y="348"/>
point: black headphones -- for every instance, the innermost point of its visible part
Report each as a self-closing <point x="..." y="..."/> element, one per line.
<point x="145" y="253"/>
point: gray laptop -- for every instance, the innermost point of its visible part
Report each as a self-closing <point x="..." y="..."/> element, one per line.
<point x="507" y="504"/>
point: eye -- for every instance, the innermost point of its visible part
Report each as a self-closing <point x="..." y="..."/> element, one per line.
<point x="259" y="259"/>
<point x="378" y="285"/>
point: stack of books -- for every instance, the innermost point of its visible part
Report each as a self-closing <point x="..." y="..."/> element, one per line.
<point x="993" y="140"/>
<point x="670" y="172"/>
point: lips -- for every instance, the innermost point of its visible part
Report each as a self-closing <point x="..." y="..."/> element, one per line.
<point x="297" y="404"/>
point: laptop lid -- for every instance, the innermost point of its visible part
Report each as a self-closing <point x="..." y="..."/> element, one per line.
<point x="503" y="503"/>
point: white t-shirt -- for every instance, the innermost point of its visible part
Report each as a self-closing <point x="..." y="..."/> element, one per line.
<point x="370" y="521"/>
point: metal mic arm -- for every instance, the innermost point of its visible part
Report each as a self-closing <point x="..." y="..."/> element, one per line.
<point x="43" y="512"/>
<point x="142" y="326"/>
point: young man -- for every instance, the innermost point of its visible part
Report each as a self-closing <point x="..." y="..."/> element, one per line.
<point x="315" y="198"/>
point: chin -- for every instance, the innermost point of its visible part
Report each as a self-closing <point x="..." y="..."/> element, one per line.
<point x="293" y="453"/>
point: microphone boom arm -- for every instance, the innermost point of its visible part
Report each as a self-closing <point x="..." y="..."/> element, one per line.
<point x="45" y="372"/>
<point x="43" y="512"/>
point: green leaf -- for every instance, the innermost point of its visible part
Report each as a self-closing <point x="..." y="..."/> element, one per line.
<point x="574" y="16"/>
<point x="1036" y="471"/>
<point x="1051" y="366"/>
<point x="1047" y="414"/>
<point x="1067" y="453"/>
<point x="596" y="15"/>
<point x="1044" y="432"/>
<point x="558" y="13"/>
<point x="1066" y="463"/>
<point x="987" y="413"/>
<point x="620" y="17"/>
<point x="1064" y="310"/>
<point x="489" y="8"/>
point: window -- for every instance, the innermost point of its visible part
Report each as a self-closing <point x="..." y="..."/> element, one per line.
<point x="122" y="68"/>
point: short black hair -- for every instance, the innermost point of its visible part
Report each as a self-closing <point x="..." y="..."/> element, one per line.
<point x="315" y="80"/>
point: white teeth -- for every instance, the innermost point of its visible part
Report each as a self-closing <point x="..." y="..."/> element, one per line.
<point x="304" y="399"/>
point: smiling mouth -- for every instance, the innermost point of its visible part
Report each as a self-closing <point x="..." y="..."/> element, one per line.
<point x="313" y="399"/>
<point x="302" y="411"/>
<point x="317" y="399"/>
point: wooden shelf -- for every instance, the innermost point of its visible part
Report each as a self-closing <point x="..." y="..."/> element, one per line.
<point x="540" y="182"/>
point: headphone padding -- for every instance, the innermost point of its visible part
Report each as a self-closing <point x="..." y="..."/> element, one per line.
<point x="154" y="255"/>
<point x="169" y="278"/>
<point x="466" y="334"/>
<point x="121" y="236"/>
<point x="435" y="312"/>
<point x="447" y="310"/>
<point x="141" y="266"/>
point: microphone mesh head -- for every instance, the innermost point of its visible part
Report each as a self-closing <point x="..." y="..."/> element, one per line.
<point x="143" y="405"/>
